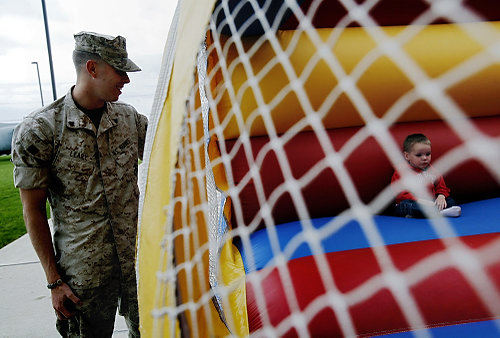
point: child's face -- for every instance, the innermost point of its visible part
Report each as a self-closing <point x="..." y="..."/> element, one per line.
<point x="419" y="156"/>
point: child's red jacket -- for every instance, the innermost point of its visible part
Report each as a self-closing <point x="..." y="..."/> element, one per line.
<point x="429" y="177"/>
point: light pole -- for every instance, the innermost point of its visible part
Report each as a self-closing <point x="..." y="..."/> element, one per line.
<point x="39" y="83"/>
<point x="47" y="36"/>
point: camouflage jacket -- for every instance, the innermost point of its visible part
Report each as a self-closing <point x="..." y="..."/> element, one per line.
<point x="91" y="182"/>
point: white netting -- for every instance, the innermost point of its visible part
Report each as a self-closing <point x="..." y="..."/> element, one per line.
<point x="251" y="75"/>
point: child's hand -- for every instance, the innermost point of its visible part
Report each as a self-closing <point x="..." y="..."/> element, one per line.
<point x="440" y="202"/>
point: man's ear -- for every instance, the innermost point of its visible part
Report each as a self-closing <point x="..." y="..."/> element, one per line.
<point x="91" y="67"/>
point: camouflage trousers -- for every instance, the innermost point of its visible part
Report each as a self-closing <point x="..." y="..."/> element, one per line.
<point x="96" y="316"/>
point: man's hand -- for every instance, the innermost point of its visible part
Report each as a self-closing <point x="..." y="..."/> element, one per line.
<point x="63" y="300"/>
<point x="440" y="202"/>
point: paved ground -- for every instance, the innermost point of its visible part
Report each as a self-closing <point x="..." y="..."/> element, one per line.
<point x="25" y="306"/>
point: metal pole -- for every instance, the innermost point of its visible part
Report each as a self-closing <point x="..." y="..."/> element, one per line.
<point x="49" y="50"/>
<point x="39" y="82"/>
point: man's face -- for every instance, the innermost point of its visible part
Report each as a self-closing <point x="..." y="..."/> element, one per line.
<point x="111" y="82"/>
<point x="419" y="156"/>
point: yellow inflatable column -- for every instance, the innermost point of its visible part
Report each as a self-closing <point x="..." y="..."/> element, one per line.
<point x="193" y="18"/>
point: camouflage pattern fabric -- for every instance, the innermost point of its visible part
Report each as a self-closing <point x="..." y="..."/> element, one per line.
<point x="113" y="50"/>
<point x="96" y="316"/>
<point x="91" y="180"/>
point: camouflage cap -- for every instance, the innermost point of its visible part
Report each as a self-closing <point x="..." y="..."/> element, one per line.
<point x="110" y="49"/>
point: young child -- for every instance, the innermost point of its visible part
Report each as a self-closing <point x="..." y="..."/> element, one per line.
<point x="417" y="151"/>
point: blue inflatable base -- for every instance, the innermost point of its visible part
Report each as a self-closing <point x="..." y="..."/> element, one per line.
<point x="479" y="217"/>
<point x="487" y="328"/>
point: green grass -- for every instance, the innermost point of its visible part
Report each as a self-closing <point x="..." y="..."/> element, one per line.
<point x="11" y="209"/>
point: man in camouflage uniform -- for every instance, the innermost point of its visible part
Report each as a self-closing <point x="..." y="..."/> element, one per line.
<point x="81" y="154"/>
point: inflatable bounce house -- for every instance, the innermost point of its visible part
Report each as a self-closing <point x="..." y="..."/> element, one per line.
<point x="267" y="196"/>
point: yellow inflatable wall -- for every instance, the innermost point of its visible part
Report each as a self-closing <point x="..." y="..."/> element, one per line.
<point x="435" y="49"/>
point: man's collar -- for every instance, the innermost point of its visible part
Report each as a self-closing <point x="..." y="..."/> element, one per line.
<point x="76" y="119"/>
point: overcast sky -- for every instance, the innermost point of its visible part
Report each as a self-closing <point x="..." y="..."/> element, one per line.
<point x="144" y="23"/>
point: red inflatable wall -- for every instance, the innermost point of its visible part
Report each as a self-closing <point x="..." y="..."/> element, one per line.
<point x="368" y="167"/>
<point x="330" y="13"/>
<point x="443" y="298"/>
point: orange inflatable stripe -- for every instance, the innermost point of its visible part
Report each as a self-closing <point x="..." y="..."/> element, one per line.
<point x="435" y="50"/>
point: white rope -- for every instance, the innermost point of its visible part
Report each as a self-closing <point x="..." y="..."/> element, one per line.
<point x="476" y="145"/>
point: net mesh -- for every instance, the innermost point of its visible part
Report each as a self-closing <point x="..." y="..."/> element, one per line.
<point x="279" y="79"/>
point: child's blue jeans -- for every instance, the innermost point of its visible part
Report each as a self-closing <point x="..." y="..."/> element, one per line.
<point x="410" y="208"/>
